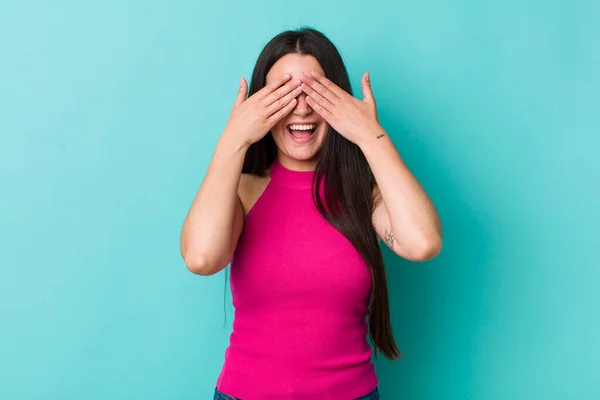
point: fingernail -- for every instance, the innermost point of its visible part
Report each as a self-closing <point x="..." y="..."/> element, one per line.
<point x="313" y="73"/>
<point x="368" y="77"/>
<point x="287" y="76"/>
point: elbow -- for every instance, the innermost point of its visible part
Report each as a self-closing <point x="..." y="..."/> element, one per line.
<point x="199" y="265"/>
<point x="428" y="250"/>
<point x="197" y="260"/>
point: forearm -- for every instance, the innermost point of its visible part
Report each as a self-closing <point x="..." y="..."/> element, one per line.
<point x="413" y="218"/>
<point x="207" y="231"/>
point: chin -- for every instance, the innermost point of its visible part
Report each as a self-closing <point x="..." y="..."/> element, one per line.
<point x="300" y="148"/>
<point x="300" y="152"/>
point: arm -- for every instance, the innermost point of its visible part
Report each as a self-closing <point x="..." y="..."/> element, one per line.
<point x="215" y="220"/>
<point x="404" y="215"/>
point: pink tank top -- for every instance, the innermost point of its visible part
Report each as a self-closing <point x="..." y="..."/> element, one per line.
<point x="301" y="296"/>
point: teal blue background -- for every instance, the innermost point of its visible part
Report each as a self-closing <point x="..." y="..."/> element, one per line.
<point x="109" y="112"/>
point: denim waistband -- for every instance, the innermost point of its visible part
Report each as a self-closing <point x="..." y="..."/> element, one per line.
<point x="374" y="395"/>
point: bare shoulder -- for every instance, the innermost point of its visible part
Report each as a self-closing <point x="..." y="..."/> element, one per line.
<point x="251" y="187"/>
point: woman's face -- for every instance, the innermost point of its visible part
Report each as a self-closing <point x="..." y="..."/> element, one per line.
<point x="300" y="134"/>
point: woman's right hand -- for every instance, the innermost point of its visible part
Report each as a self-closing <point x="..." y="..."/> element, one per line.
<point x="251" y="119"/>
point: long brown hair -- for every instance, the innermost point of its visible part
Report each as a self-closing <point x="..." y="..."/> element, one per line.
<point x="348" y="201"/>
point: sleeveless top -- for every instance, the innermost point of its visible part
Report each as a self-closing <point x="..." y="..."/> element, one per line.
<point x="301" y="295"/>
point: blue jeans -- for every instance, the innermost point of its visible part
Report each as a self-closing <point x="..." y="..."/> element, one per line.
<point x="374" y="395"/>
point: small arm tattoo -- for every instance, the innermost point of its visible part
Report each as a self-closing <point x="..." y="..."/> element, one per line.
<point x="380" y="136"/>
<point x="389" y="237"/>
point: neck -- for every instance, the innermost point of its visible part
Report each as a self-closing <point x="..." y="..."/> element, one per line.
<point x="297" y="165"/>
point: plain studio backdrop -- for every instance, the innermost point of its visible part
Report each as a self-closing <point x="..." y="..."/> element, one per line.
<point x="110" y="111"/>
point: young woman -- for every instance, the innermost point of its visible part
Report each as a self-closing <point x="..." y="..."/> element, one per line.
<point x="302" y="183"/>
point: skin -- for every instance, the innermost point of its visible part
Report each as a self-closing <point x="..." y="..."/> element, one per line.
<point x="298" y="156"/>
<point x="296" y="91"/>
<point x="215" y="220"/>
<point x="406" y="218"/>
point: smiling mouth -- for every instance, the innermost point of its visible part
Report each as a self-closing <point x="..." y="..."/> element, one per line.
<point x="301" y="131"/>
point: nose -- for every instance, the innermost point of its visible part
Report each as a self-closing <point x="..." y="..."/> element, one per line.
<point x="302" y="108"/>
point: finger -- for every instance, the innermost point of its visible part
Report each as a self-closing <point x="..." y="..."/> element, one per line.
<point x="317" y="88"/>
<point x="282" y="102"/>
<point x="242" y="92"/>
<point x="279" y="115"/>
<point x="367" y="90"/>
<point x="323" y="112"/>
<point x="325" y="103"/>
<point x="339" y="92"/>
<point x="268" y="89"/>
<point x="281" y="92"/>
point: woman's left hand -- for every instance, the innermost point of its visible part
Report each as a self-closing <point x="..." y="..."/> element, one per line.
<point x="352" y="118"/>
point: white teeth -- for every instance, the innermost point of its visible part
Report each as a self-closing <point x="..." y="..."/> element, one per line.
<point x="303" y="127"/>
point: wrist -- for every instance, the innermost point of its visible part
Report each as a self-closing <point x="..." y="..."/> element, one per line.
<point x="373" y="136"/>
<point x="230" y="142"/>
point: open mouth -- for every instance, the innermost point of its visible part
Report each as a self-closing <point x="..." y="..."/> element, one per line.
<point x="302" y="132"/>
